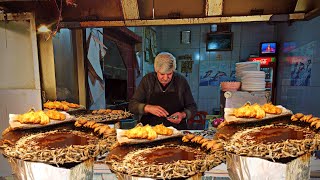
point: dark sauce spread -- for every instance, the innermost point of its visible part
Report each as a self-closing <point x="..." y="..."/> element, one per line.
<point x="277" y="134"/>
<point x="61" y="140"/>
<point x="171" y="154"/>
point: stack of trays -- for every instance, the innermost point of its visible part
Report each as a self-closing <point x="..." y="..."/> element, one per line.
<point x="246" y="66"/>
<point x="253" y="81"/>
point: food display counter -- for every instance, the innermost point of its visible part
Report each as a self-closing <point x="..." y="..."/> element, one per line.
<point x="253" y="135"/>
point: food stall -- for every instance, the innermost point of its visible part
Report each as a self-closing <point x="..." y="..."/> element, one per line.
<point x="66" y="140"/>
<point x="62" y="140"/>
<point x="254" y="135"/>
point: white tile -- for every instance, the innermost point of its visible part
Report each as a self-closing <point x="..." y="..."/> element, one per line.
<point x="207" y="92"/>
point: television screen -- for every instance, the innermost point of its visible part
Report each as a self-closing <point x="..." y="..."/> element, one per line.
<point x="268" y="48"/>
<point x="219" y="41"/>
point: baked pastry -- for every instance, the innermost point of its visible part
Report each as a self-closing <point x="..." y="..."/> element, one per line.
<point x="249" y="111"/>
<point x="33" y="117"/>
<point x="71" y="105"/>
<point x="163" y="130"/>
<point x="56" y="105"/>
<point x="54" y="114"/>
<point x="141" y="132"/>
<point x="271" y="109"/>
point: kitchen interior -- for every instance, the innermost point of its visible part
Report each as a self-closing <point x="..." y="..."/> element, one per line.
<point x="96" y="52"/>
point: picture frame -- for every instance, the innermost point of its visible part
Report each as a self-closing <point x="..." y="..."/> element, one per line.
<point x="219" y="41"/>
<point x="185" y="37"/>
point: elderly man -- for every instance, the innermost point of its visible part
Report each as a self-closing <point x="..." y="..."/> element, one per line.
<point x="164" y="96"/>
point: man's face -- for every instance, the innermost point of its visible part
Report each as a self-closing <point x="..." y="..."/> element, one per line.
<point x="164" y="79"/>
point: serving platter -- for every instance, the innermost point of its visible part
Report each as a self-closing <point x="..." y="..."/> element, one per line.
<point x="273" y="141"/>
<point x="163" y="159"/>
<point x="57" y="144"/>
<point x="108" y="118"/>
<point x="15" y="124"/>
<point x="231" y="119"/>
<point x="122" y="139"/>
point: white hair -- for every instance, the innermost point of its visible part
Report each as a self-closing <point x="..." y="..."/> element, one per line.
<point x="164" y="63"/>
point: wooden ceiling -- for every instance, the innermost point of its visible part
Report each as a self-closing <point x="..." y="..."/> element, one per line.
<point x="105" y="13"/>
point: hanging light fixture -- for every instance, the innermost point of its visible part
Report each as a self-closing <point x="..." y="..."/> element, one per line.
<point x="43" y="29"/>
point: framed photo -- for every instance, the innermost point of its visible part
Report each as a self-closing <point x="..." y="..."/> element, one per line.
<point x="219" y="41"/>
<point x="185" y="37"/>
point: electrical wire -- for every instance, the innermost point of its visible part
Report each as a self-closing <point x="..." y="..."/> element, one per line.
<point x="59" y="18"/>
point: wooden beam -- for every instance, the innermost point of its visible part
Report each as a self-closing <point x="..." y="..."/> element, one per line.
<point x="77" y="36"/>
<point x="130" y="9"/>
<point x="163" y="22"/>
<point x="214" y="7"/>
<point x="301" y="6"/>
<point x="47" y="67"/>
<point x="21" y="0"/>
<point x="100" y="23"/>
<point x="297" y="16"/>
<point x="16" y="16"/>
<point x="312" y="14"/>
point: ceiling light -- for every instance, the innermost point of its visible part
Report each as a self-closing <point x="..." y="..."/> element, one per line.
<point x="43" y="29"/>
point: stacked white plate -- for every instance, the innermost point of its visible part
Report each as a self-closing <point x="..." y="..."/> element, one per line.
<point x="253" y="81"/>
<point x="246" y="66"/>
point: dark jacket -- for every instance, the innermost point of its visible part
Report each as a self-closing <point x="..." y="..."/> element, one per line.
<point x="150" y="84"/>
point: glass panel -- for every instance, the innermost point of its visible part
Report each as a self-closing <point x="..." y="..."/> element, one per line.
<point x="65" y="67"/>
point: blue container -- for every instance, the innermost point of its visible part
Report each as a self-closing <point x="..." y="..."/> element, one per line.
<point x="128" y="123"/>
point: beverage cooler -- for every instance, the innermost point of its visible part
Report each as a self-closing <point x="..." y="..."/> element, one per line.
<point x="268" y="65"/>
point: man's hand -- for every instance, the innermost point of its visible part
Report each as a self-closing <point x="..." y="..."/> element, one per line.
<point x="156" y="110"/>
<point x="179" y="116"/>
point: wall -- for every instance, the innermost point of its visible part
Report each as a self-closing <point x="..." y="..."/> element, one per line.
<point x="246" y="39"/>
<point x="298" y="87"/>
<point x="19" y="73"/>
<point x="16" y="64"/>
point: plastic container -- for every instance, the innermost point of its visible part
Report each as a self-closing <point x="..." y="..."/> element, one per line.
<point x="128" y="123"/>
<point x="230" y="86"/>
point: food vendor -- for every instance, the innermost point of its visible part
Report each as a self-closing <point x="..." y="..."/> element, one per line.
<point x="163" y="96"/>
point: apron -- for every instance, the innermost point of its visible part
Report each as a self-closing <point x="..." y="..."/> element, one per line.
<point x="169" y="101"/>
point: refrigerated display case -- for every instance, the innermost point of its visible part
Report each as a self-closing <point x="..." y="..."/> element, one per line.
<point x="268" y="65"/>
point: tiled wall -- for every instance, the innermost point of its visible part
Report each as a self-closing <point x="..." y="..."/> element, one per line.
<point x="299" y="43"/>
<point x="246" y="39"/>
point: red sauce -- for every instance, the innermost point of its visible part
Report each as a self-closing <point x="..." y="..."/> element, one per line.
<point x="277" y="134"/>
<point x="61" y="140"/>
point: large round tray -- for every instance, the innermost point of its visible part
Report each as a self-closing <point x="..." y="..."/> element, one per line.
<point x="55" y="145"/>
<point x="164" y="159"/>
<point x="87" y="114"/>
<point x="275" y="141"/>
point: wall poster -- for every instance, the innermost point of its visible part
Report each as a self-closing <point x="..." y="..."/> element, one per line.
<point x="213" y="73"/>
<point x="301" y="60"/>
